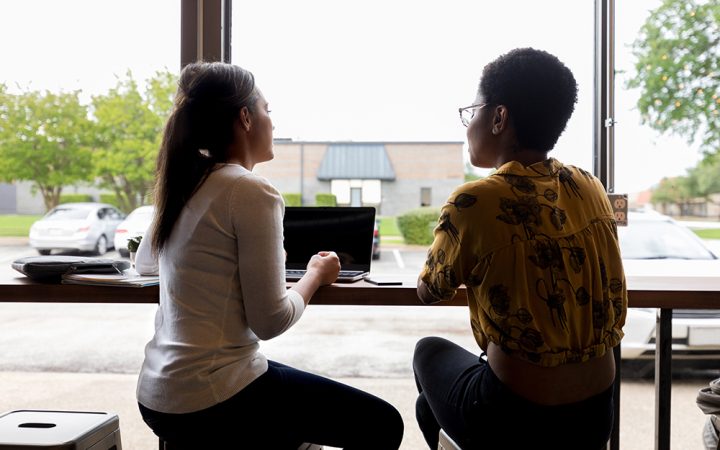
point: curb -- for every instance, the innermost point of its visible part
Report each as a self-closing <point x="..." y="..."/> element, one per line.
<point x="14" y="241"/>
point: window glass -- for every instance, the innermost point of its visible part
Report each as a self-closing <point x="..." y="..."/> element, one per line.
<point x="399" y="71"/>
<point x="425" y="196"/>
<point x="59" y="57"/>
<point x="87" y="44"/>
<point x="660" y="239"/>
<point x="650" y="147"/>
<point x="396" y="73"/>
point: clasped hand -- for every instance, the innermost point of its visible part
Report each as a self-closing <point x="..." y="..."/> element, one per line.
<point x="326" y="265"/>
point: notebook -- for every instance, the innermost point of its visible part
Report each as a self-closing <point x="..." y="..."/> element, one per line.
<point x="348" y="231"/>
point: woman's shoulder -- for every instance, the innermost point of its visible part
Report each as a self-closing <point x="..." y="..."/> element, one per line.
<point x="242" y="179"/>
<point x="481" y="188"/>
<point x="255" y="191"/>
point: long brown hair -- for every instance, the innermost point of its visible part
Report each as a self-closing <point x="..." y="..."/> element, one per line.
<point x="197" y="136"/>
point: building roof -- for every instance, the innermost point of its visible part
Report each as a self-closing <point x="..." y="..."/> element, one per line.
<point x="356" y="161"/>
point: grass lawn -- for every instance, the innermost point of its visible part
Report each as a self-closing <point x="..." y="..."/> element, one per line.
<point x="16" y="225"/>
<point x="388" y="227"/>
<point x="709" y="233"/>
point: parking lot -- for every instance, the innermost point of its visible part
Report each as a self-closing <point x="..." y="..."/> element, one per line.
<point x="87" y="356"/>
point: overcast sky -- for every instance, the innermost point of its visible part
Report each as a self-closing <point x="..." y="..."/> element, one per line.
<point x="350" y="70"/>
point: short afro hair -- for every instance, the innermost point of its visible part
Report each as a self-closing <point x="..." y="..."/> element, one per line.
<point x="539" y="91"/>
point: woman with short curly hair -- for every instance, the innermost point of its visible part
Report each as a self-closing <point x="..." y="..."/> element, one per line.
<point x="535" y="244"/>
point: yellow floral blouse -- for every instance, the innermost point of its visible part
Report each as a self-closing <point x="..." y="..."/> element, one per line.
<point x="537" y="249"/>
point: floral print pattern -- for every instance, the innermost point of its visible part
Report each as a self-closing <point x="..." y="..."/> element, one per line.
<point x="562" y="275"/>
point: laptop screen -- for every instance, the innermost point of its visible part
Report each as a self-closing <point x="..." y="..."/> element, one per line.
<point x="348" y="231"/>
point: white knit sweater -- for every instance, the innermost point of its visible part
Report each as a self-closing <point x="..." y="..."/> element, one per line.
<point x="222" y="288"/>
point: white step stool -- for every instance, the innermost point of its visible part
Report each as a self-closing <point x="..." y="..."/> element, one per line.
<point x="59" y="430"/>
<point x="446" y="443"/>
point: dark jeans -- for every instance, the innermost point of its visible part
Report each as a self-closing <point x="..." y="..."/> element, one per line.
<point x="460" y="393"/>
<point x="282" y="409"/>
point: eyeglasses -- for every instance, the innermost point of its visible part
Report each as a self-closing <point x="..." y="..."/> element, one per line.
<point x="468" y="112"/>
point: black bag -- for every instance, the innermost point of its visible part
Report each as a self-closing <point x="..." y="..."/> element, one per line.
<point x="52" y="268"/>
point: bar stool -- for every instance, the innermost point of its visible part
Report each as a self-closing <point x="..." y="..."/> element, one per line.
<point x="59" y="430"/>
<point x="445" y="442"/>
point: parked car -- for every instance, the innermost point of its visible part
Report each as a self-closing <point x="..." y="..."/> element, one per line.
<point x="136" y="223"/>
<point x="76" y="226"/>
<point x="655" y="244"/>
<point x="376" y="241"/>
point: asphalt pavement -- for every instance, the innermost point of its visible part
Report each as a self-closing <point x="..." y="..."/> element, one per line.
<point x="86" y="357"/>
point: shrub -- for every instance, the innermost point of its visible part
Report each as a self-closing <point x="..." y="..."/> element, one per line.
<point x="75" y="198"/>
<point x="110" y="199"/>
<point x="134" y="243"/>
<point x="292" y="199"/>
<point x="416" y="226"/>
<point x="323" y="199"/>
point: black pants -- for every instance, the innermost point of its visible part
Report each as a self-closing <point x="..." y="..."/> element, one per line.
<point x="460" y="393"/>
<point x="282" y="409"/>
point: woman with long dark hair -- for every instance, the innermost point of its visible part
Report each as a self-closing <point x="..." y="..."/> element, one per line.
<point x="217" y="243"/>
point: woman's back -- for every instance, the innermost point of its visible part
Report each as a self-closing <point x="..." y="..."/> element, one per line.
<point x="214" y="289"/>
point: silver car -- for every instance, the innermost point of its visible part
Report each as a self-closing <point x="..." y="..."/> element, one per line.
<point x="135" y="224"/>
<point x="653" y="244"/>
<point x="86" y="227"/>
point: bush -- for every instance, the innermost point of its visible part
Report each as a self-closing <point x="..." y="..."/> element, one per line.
<point x="110" y="199"/>
<point x="75" y="198"/>
<point x="416" y="226"/>
<point x="292" y="199"/>
<point x="325" y="199"/>
<point x="133" y="244"/>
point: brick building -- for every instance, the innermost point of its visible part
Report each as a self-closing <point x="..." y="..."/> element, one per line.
<point x="392" y="176"/>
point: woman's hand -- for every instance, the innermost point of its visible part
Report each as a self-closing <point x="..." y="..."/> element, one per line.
<point x="326" y="266"/>
<point x="322" y="269"/>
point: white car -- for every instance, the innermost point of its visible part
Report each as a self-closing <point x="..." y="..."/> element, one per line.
<point x="655" y="244"/>
<point x="136" y="223"/>
<point x="86" y="227"/>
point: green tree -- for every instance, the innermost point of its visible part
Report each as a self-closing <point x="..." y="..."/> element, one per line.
<point x="706" y="176"/>
<point x="675" y="190"/>
<point x="678" y="71"/>
<point x="44" y="138"/>
<point x="129" y="131"/>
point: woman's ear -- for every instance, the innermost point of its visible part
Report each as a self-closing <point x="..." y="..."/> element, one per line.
<point x="500" y="119"/>
<point x="245" y="118"/>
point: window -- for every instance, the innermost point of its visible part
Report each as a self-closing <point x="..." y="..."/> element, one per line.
<point x="361" y="73"/>
<point x="85" y="46"/>
<point x="425" y="196"/>
<point x="645" y="158"/>
<point x="355" y="196"/>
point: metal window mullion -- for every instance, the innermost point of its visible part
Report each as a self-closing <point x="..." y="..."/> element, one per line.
<point x="205" y="31"/>
<point x="600" y="93"/>
<point x="610" y="118"/>
<point x="226" y="30"/>
<point x="603" y="139"/>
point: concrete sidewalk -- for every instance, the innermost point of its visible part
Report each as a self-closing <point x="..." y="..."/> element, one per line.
<point x="116" y="393"/>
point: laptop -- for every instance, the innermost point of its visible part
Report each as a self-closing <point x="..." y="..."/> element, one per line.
<point x="348" y="231"/>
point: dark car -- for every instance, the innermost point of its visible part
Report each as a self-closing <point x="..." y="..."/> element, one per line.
<point x="376" y="241"/>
